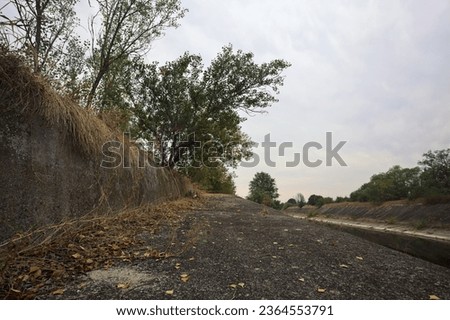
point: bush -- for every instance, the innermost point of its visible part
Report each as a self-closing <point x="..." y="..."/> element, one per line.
<point x="213" y="179"/>
<point x="420" y="225"/>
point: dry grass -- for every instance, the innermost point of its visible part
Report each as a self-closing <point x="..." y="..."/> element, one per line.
<point x="32" y="262"/>
<point x="28" y="93"/>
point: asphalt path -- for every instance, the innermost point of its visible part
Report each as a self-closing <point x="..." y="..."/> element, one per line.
<point x="242" y="250"/>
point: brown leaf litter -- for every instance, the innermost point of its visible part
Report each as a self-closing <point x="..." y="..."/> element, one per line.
<point x="42" y="260"/>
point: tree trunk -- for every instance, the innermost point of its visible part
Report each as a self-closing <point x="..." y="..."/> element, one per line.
<point x="37" y="45"/>
<point x="94" y="87"/>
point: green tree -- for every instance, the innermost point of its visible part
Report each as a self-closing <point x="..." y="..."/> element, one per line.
<point x="291" y="201"/>
<point x="360" y="195"/>
<point x="111" y="92"/>
<point x="128" y="27"/>
<point x="327" y="200"/>
<point x="263" y="189"/>
<point x="300" y="199"/>
<point x="213" y="179"/>
<point x="277" y="204"/>
<point x="432" y="178"/>
<point x="341" y="199"/>
<point x="190" y="114"/>
<point x="395" y="184"/>
<point x="315" y="200"/>
<point x="436" y="172"/>
<point x="42" y="32"/>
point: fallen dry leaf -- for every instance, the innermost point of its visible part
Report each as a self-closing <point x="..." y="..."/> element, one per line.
<point x="67" y="252"/>
<point x="360" y="258"/>
<point x="123" y="286"/>
<point x="234" y="286"/>
<point x="321" y="290"/>
<point x="184" y="277"/>
<point x="149" y="254"/>
<point x="58" y="273"/>
<point x="191" y="259"/>
<point x="302" y="279"/>
<point x="241" y="284"/>
<point x="169" y="292"/>
<point x="33" y="269"/>
<point x="343" y="266"/>
<point x="58" y="292"/>
<point x="76" y="256"/>
<point x="434" y="297"/>
<point x="177" y="265"/>
<point x="37" y="274"/>
<point x="82" y="285"/>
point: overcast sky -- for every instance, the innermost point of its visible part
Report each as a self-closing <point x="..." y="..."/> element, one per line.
<point x="374" y="73"/>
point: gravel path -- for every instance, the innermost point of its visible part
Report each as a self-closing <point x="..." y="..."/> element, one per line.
<point x="244" y="251"/>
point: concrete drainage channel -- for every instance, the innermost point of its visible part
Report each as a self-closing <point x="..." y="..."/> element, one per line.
<point x="433" y="248"/>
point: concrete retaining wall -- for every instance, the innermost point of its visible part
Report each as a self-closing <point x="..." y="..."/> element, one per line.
<point x="47" y="174"/>
<point x="436" y="215"/>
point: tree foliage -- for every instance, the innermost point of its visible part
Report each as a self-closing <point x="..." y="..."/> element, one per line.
<point x="315" y="200"/>
<point x="291" y="201"/>
<point x="431" y="178"/>
<point x="42" y="32"/>
<point x="128" y="27"/>
<point x="213" y="179"/>
<point x="300" y="199"/>
<point x="396" y="183"/>
<point x="263" y="189"/>
<point x="189" y="113"/>
<point x="342" y="199"/>
<point x="122" y="30"/>
<point x="436" y="171"/>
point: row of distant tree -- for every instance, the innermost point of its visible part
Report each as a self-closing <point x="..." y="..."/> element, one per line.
<point x="429" y="180"/>
<point x="263" y="189"/>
